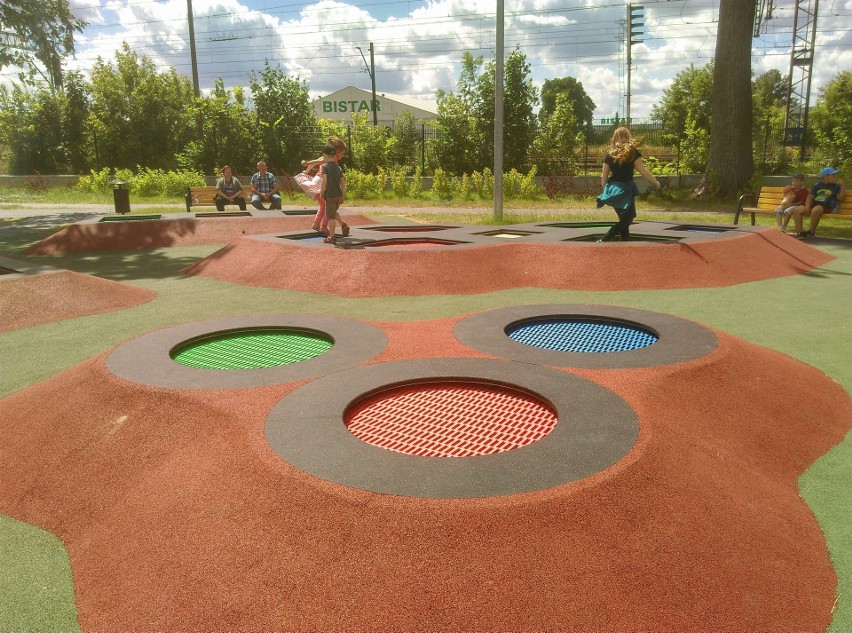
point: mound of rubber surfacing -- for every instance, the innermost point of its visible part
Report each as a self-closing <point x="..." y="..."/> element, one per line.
<point x="30" y="300"/>
<point x="118" y="236"/>
<point x="374" y="272"/>
<point x="178" y="515"/>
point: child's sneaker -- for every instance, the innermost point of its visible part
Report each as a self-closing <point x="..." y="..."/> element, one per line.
<point x="345" y="230"/>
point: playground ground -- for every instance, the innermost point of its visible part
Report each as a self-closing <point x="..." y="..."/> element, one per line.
<point x="76" y="559"/>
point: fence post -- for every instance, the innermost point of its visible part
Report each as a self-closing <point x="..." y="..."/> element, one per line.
<point x="422" y="148"/>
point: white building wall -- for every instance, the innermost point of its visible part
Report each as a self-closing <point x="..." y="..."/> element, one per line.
<point x="340" y="105"/>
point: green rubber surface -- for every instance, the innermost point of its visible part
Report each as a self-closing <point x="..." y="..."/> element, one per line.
<point x="252" y="350"/>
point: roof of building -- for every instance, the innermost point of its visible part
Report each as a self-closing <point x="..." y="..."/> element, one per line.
<point x="413" y="103"/>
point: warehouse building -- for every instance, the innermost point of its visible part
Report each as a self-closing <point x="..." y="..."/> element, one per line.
<point x="341" y="105"/>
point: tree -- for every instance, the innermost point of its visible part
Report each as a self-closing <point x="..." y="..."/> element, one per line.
<point x="45" y="34"/>
<point x="581" y="104"/>
<point x="369" y="144"/>
<point x="457" y="145"/>
<point x="466" y="121"/>
<point x="685" y="112"/>
<point x="285" y="117"/>
<point x="228" y="133"/>
<point x="520" y="125"/>
<point x="32" y="128"/>
<point x="460" y="141"/>
<point x="831" y="121"/>
<point x="553" y="150"/>
<point x="403" y="143"/>
<point x="75" y="117"/>
<point x="769" y="93"/>
<point x="139" y="116"/>
<point x="730" y="163"/>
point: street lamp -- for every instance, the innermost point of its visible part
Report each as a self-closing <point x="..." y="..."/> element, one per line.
<point x="371" y="70"/>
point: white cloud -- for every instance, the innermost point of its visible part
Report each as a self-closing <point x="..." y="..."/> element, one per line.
<point x="419" y="45"/>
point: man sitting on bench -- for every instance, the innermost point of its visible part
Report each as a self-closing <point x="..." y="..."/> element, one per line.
<point x="229" y="190"/>
<point x="264" y="188"/>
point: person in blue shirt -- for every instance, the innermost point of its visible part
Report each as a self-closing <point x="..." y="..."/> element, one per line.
<point x="823" y="198"/>
<point x="264" y="188"/>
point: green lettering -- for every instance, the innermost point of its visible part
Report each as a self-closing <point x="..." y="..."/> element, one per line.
<point x="377" y="106"/>
<point x="341" y="106"/>
<point x="326" y="106"/>
<point x="352" y="105"/>
<point x="363" y="106"/>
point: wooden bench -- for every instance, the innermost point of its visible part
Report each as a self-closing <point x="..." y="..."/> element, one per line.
<point x="769" y="198"/>
<point x="204" y="197"/>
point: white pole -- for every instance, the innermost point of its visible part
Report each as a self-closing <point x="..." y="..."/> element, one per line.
<point x="498" y="119"/>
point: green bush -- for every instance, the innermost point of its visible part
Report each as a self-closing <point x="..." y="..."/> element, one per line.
<point x="96" y="182"/>
<point x="466" y="187"/>
<point x="146" y="183"/>
<point x="365" y="186"/>
<point x="529" y="189"/>
<point x="175" y="183"/>
<point x="444" y="185"/>
<point x="399" y="182"/>
<point x="484" y="182"/>
<point x="511" y="184"/>
<point x="416" y="187"/>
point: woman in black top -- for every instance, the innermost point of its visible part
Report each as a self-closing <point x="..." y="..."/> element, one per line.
<point x="619" y="190"/>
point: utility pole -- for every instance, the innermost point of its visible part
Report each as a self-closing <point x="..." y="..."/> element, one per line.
<point x="635" y="23"/>
<point x="799" y="79"/>
<point x="192" y="49"/>
<point x="498" y="119"/>
<point x="371" y="70"/>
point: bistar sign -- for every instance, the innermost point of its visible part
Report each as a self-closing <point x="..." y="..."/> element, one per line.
<point x="351" y="106"/>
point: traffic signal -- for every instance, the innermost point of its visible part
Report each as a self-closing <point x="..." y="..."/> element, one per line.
<point x="635" y="23"/>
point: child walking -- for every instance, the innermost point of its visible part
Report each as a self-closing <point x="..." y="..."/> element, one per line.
<point x="332" y="191"/>
<point x="618" y="189"/>
<point x="309" y="182"/>
<point x="795" y="195"/>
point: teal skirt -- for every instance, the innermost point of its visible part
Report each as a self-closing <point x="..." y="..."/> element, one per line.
<point x="618" y="195"/>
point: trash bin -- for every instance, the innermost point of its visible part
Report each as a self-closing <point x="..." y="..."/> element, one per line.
<point x="121" y="196"/>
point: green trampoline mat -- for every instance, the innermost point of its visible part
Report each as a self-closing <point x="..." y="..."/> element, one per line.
<point x="251" y="350"/>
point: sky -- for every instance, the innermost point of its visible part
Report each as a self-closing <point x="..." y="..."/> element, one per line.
<point x="419" y="44"/>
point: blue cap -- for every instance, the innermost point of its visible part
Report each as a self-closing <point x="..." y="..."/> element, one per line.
<point x="827" y="171"/>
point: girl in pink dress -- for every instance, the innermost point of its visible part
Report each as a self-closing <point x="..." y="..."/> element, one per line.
<point x="309" y="181"/>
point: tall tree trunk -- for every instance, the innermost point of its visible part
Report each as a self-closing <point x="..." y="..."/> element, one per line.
<point x="730" y="163"/>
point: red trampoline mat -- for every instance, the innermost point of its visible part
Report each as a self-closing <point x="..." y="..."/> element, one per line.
<point x="450" y="419"/>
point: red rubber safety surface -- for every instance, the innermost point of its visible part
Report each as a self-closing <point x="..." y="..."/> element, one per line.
<point x="113" y="236"/>
<point x="381" y="272"/>
<point x="450" y="420"/>
<point x="32" y="300"/>
<point x="178" y="516"/>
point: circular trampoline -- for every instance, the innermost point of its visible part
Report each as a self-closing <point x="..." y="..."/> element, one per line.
<point x="588" y="336"/>
<point x="251" y="349"/>
<point x="450" y="419"/>
<point x="581" y="335"/>
<point x="452" y="428"/>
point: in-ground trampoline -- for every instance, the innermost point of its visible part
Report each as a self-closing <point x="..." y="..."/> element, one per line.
<point x="383" y="260"/>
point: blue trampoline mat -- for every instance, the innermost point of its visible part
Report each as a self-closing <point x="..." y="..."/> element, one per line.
<point x="589" y="337"/>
